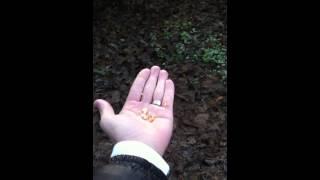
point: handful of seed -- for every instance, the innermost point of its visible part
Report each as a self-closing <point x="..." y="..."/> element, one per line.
<point x="146" y="115"/>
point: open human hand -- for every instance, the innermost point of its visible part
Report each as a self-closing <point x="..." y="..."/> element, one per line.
<point x="147" y="115"/>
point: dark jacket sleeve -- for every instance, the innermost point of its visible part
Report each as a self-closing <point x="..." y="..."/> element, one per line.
<point x="126" y="167"/>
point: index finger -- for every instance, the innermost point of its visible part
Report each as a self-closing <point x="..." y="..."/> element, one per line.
<point x="138" y="85"/>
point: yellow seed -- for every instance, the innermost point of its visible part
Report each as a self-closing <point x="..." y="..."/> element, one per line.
<point x="144" y="110"/>
<point x="144" y="116"/>
<point x="151" y="118"/>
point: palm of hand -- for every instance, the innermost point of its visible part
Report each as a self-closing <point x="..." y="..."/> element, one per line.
<point x="129" y="125"/>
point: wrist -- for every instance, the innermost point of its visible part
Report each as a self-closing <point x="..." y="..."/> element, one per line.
<point x="142" y="150"/>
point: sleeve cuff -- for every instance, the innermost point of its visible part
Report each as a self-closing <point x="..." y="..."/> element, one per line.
<point x="139" y="149"/>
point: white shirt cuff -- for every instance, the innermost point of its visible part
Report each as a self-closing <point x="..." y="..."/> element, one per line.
<point x="139" y="149"/>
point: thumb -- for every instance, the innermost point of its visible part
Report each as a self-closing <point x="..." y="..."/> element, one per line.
<point x="104" y="108"/>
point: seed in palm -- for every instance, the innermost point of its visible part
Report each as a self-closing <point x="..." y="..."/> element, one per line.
<point x="145" y="115"/>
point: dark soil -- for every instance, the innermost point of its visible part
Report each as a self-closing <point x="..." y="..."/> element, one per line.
<point x="198" y="149"/>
